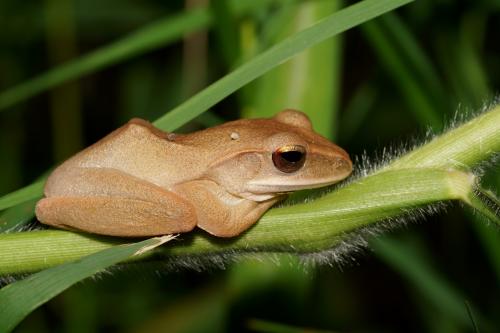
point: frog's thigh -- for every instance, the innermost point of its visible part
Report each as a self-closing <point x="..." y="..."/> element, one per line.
<point x="106" y="182"/>
<point x="117" y="216"/>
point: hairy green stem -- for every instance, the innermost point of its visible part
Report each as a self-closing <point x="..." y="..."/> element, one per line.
<point x="307" y="227"/>
<point x="460" y="148"/>
<point x="423" y="176"/>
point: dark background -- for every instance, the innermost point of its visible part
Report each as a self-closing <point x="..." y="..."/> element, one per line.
<point x="453" y="253"/>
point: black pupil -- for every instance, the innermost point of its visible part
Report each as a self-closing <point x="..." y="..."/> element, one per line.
<point x="292" y="156"/>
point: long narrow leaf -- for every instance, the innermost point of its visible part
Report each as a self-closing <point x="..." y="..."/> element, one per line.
<point x="29" y="192"/>
<point x="146" y="39"/>
<point x="18" y="299"/>
<point x="326" y="28"/>
<point x="309" y="81"/>
<point x="403" y="258"/>
<point x="17" y="216"/>
<point x="417" y="99"/>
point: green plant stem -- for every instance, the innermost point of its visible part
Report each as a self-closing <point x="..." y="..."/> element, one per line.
<point x="405" y="184"/>
<point x="460" y="148"/>
<point x="307" y="227"/>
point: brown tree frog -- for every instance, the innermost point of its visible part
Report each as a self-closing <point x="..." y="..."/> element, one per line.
<point x="141" y="181"/>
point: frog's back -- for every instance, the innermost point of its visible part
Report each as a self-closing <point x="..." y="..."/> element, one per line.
<point x="119" y="149"/>
<point x="137" y="148"/>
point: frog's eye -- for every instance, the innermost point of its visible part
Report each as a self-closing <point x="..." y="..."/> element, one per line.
<point x="289" y="158"/>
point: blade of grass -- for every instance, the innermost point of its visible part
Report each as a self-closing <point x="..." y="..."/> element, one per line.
<point x="202" y="310"/>
<point x="425" y="278"/>
<point x="272" y="27"/>
<point x="18" y="299"/>
<point x="308" y="82"/>
<point x="226" y="31"/>
<point x="29" y="192"/>
<point x="65" y="101"/>
<point x="194" y="56"/>
<point x="256" y="36"/>
<point x="146" y="39"/>
<point x="490" y="241"/>
<point x="486" y="203"/>
<point x="17" y="216"/>
<point x="328" y="27"/>
<point x="420" y="64"/>
<point x="356" y="111"/>
<point x="470" y="59"/>
<point x="258" y="325"/>
<point x="11" y="138"/>
<point x="465" y="71"/>
<point x="417" y="99"/>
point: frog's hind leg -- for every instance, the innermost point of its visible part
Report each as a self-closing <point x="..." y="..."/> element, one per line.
<point x="116" y="216"/>
<point x="111" y="202"/>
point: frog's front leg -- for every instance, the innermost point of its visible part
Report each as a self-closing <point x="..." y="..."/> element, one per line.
<point x="110" y="202"/>
<point x="219" y="212"/>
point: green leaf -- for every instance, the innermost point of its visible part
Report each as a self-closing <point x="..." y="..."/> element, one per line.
<point x="17" y="216"/>
<point x="416" y="61"/>
<point x="29" y="192"/>
<point x="486" y="203"/>
<point x="266" y="326"/>
<point x="226" y="31"/>
<point x="18" y="299"/>
<point x="418" y="100"/>
<point x="146" y="39"/>
<point x="309" y="81"/>
<point x="406" y="260"/>
<point x="279" y="53"/>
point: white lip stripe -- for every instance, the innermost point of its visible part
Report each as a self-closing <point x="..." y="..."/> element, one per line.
<point x="263" y="185"/>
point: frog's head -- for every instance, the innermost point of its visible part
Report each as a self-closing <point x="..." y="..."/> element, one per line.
<point x="266" y="158"/>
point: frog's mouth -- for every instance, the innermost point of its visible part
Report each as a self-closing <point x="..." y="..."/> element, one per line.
<point x="273" y="186"/>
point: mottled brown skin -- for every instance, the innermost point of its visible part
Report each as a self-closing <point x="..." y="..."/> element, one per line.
<point x="140" y="181"/>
